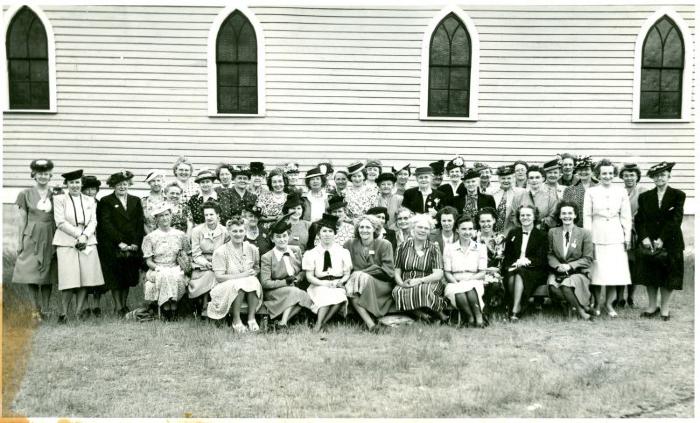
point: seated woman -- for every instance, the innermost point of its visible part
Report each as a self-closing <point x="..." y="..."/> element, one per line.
<point x="524" y="259"/>
<point x="280" y="273"/>
<point x="445" y="233"/>
<point x="403" y="225"/>
<point x="382" y="214"/>
<point x="254" y="231"/>
<point x="494" y="292"/>
<point x="299" y="229"/>
<point x="206" y="238"/>
<point x="418" y="273"/>
<point x="372" y="280"/>
<point x="236" y="265"/>
<point x="181" y="216"/>
<point x="164" y="248"/>
<point x="327" y="268"/>
<point x="570" y="256"/>
<point x="465" y="268"/>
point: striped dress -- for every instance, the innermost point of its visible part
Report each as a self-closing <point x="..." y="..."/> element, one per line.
<point x="412" y="265"/>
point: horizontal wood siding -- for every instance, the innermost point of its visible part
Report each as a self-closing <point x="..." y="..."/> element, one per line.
<point x="342" y="84"/>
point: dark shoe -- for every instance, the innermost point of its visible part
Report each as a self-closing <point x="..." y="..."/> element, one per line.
<point x="615" y="303"/>
<point x="84" y="314"/>
<point x="621" y="303"/>
<point x="62" y="319"/>
<point x="97" y="312"/>
<point x="652" y="314"/>
<point x="630" y="303"/>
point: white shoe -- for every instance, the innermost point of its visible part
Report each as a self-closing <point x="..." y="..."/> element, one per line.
<point x="253" y="326"/>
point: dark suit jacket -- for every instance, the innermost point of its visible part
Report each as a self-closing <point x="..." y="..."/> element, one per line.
<point x="456" y="201"/>
<point x="413" y="200"/>
<point x="536" y="249"/>
<point x="390" y="235"/>
<point x="662" y="222"/>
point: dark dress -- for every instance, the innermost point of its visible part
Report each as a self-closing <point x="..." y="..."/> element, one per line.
<point x="115" y="225"/>
<point x="233" y="204"/>
<point x="453" y="199"/>
<point x="663" y="223"/>
<point x="262" y="241"/>
<point x="533" y="275"/>
<point x="413" y="200"/>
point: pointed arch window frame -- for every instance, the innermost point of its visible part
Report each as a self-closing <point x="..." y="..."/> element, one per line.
<point x="212" y="83"/>
<point x="474" y="71"/>
<point x="51" y="47"/>
<point x="686" y="91"/>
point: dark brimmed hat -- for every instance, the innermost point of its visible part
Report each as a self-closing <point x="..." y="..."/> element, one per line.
<point x="293" y="200"/>
<point x="374" y="163"/>
<point x="256" y="210"/>
<point x="291" y="168"/>
<point x="551" y="165"/>
<point x="505" y="170"/>
<point x="239" y="170"/>
<point x="424" y="170"/>
<point x="205" y="174"/>
<point x="658" y="168"/>
<point x="378" y="210"/>
<point x="72" y="175"/>
<point x="336" y="202"/>
<point x="457" y="162"/>
<point x="386" y="176"/>
<point x="438" y="167"/>
<point x="118" y="177"/>
<point x="312" y="173"/>
<point x="328" y="221"/>
<point x="41" y="165"/>
<point x="583" y="162"/>
<point x="355" y="167"/>
<point x="326" y="168"/>
<point x="405" y="167"/>
<point x="472" y="173"/>
<point x="478" y="166"/>
<point x="257" y="168"/>
<point x="279" y="227"/>
<point x="90" y="181"/>
<point x="631" y="167"/>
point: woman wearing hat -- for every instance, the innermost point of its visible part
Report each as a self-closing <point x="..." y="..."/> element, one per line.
<point x="552" y="171"/>
<point x="272" y="201"/>
<point x="631" y="174"/>
<point x="181" y="217"/>
<point x="235" y="200"/>
<point x="658" y="224"/>
<point x="373" y="168"/>
<point x="205" y="179"/>
<point x="78" y="263"/>
<point x="454" y="190"/>
<point x="372" y="280"/>
<point x="344" y="230"/>
<point x="438" y="168"/>
<point x="474" y="199"/>
<point x="257" y="177"/>
<point x="224" y="174"/>
<point x="403" y="174"/>
<point x="155" y="180"/>
<point x="165" y="249"/>
<point x="576" y="192"/>
<point x="503" y="199"/>
<point x="540" y="197"/>
<point x="183" y="170"/>
<point x="484" y="178"/>
<point x="35" y="266"/>
<point x="255" y="233"/>
<point x="382" y="214"/>
<point x="299" y="227"/>
<point x="315" y="200"/>
<point x="327" y="268"/>
<point x="361" y="195"/>
<point x="520" y="170"/>
<point x="205" y="239"/>
<point x="91" y="186"/>
<point x="120" y="232"/>
<point x="423" y="198"/>
<point x="236" y="266"/>
<point x="387" y="197"/>
<point x="291" y="170"/>
<point x="280" y="275"/>
<point x="607" y="214"/>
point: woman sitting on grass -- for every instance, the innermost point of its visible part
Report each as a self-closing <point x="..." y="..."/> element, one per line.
<point x="236" y="265"/>
<point x="465" y="268"/>
<point x="165" y="250"/>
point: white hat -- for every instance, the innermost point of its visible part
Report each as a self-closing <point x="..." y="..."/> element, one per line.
<point x="153" y="174"/>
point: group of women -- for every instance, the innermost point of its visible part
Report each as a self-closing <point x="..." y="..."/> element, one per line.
<point x="359" y="236"/>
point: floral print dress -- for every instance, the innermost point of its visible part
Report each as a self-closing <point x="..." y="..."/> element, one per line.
<point x="361" y="199"/>
<point x="168" y="281"/>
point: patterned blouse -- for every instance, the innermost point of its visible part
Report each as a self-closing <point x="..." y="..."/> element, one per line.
<point x="164" y="247"/>
<point x="189" y="189"/>
<point x="271" y="204"/>
<point x="232" y="204"/>
<point x="181" y="215"/>
<point x="195" y="206"/>
<point x="413" y="265"/>
<point x="577" y="193"/>
<point x="228" y="259"/>
<point x="361" y="199"/>
<point x="149" y="204"/>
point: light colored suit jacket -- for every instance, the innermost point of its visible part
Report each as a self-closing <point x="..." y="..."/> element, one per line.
<point x="67" y="228"/>
<point x="273" y="271"/>
<point x="579" y="255"/>
<point x="607" y="214"/>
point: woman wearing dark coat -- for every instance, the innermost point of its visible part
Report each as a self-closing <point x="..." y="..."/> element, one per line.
<point x="120" y="232"/>
<point x="658" y="224"/>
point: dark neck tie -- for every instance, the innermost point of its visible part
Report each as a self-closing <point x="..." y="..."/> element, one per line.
<point x="566" y="237"/>
<point x="327" y="261"/>
<point x="526" y="233"/>
<point x="287" y="255"/>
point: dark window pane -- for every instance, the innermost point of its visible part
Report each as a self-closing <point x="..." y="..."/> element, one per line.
<point x="670" y="80"/>
<point x="440" y="47"/>
<point x="651" y="79"/>
<point x="664" y="26"/>
<point x="439" y="77"/>
<point x="670" y="105"/>
<point x="451" y="23"/>
<point x="248" y="76"/>
<point x="17" y="33"/>
<point x="39" y="70"/>
<point x="228" y="100"/>
<point x="459" y="103"/>
<point x="19" y="70"/>
<point x="40" y="95"/>
<point x="652" y="49"/>
<point x="226" y="44"/>
<point x="247" y="45"/>
<point x="437" y="103"/>
<point x="37" y="41"/>
<point x="459" y="78"/>
<point x="20" y="95"/>
<point x="28" y="68"/>
<point x="673" y="50"/>
<point x="649" y="104"/>
<point x="248" y="99"/>
<point x="460" y="48"/>
<point x="237" y="69"/>
<point x="228" y="74"/>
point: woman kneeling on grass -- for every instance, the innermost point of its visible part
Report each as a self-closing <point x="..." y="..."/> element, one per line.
<point x="236" y="265"/>
<point x="165" y="250"/>
<point x="327" y="267"/>
<point x="280" y="273"/>
<point x="465" y="268"/>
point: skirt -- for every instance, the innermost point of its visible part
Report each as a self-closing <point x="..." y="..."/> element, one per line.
<point x="78" y="269"/>
<point x="280" y="299"/>
<point x="452" y="289"/>
<point x="201" y="282"/>
<point x="425" y="295"/>
<point x="35" y="264"/>
<point x="323" y="296"/>
<point x="532" y="278"/>
<point x="577" y="282"/>
<point x="610" y="265"/>
<point x="166" y="284"/>
<point x="223" y="294"/>
<point x="374" y="295"/>
<point x="662" y="273"/>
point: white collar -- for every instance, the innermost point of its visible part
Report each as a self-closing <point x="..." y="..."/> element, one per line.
<point x="279" y="254"/>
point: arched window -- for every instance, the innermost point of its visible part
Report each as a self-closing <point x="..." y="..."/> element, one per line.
<point x="449" y="69"/>
<point x="28" y="62"/>
<point x="236" y="64"/>
<point x="662" y="72"/>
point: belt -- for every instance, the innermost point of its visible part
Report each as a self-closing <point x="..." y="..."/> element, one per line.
<point x="329" y="278"/>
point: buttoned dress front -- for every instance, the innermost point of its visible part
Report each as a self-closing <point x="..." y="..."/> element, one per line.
<point x="464" y="263"/>
<point x="228" y="260"/>
<point x="36" y="264"/>
<point x="278" y="295"/>
<point x="204" y="242"/>
<point x="341" y="263"/>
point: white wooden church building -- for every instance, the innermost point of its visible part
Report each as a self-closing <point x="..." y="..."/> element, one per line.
<point x="111" y="87"/>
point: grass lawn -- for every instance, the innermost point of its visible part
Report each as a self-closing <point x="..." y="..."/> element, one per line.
<point x="544" y="366"/>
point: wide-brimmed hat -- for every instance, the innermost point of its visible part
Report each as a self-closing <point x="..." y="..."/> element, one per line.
<point x="374" y="163"/>
<point x="41" y="165"/>
<point x="328" y="221"/>
<point x="505" y="170"/>
<point x="72" y="175"/>
<point x="293" y="200"/>
<point x="314" y="172"/>
<point x="631" y="167"/>
<point x="386" y="176"/>
<point x="457" y="162"/>
<point x="583" y="162"/>
<point x="658" y="168"/>
<point x="336" y="202"/>
<point x="396" y="170"/>
<point x="423" y="170"/>
<point x="256" y="210"/>
<point x="438" y="167"/>
<point x="355" y="167"/>
<point x="472" y="173"/>
<point x="326" y="168"/>
<point x="280" y="226"/>
<point x="378" y="210"/>
<point x="551" y="165"/>
<point x="160" y="208"/>
<point x="153" y="174"/>
<point x="478" y="166"/>
<point x="118" y="177"/>
<point x="205" y="174"/>
<point x="257" y="168"/>
<point x="291" y="168"/>
<point x="90" y="181"/>
<point x="239" y="170"/>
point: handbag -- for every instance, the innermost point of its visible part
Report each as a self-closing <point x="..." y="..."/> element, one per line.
<point x="651" y="253"/>
<point x="185" y="263"/>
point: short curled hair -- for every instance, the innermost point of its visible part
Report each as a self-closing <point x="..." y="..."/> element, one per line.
<point x="486" y="210"/>
<point x="182" y="160"/>
<point x="236" y="221"/>
<point x="422" y="218"/>
<point x="278" y="172"/>
<point x="534" y="211"/>
<point x="443" y="211"/>
<point x="464" y="218"/>
<point x="605" y="162"/>
<point x="211" y="205"/>
<point x="521" y="162"/>
<point x="561" y="205"/>
<point x="401" y="210"/>
<point x="223" y="166"/>
<point x="376" y="224"/>
<point x="536" y="169"/>
<point x="170" y="185"/>
<point x="324" y="181"/>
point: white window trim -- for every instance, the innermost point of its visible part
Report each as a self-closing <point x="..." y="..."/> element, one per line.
<point x="211" y="61"/>
<point x="687" y="68"/>
<point x="474" y="71"/>
<point x="51" y="47"/>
